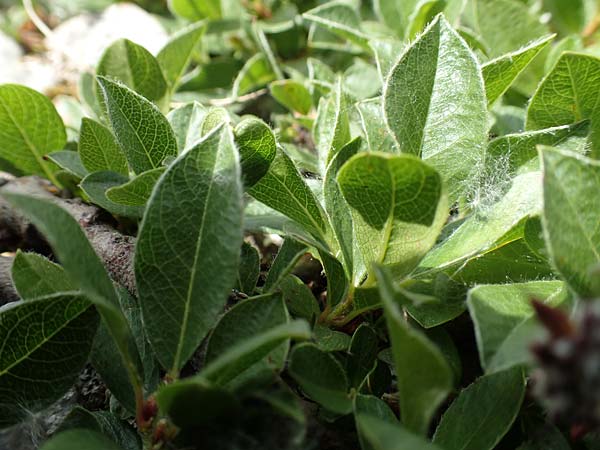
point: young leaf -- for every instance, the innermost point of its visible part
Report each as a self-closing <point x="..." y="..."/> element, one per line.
<point x="257" y="147"/>
<point x="434" y="104"/>
<point x="141" y="130"/>
<point x="248" y="270"/>
<point x="134" y="66"/>
<point x="77" y="439"/>
<point x="35" y="276"/>
<point x="424" y="376"/>
<point x="99" y="150"/>
<point x="45" y="343"/>
<point x="499" y="73"/>
<point x="196" y="9"/>
<point x="383" y="435"/>
<point x="398" y="207"/>
<point x="571" y="215"/>
<point x="339" y="18"/>
<point x="321" y="377"/>
<point x="186" y="122"/>
<point x="176" y="55"/>
<point x="136" y="191"/>
<point x="30" y="128"/>
<point x="482" y="413"/>
<point x="97" y="184"/>
<point x="245" y="320"/>
<point x="184" y="269"/>
<point x="292" y="94"/>
<point x="499" y="310"/>
<point x="85" y="270"/>
<point x="568" y="94"/>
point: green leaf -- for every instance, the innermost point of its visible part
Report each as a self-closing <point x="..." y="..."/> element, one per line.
<point x="299" y="299"/>
<point x="30" y="128"/>
<point x="245" y="320"/>
<point x="174" y="58"/>
<point x="398" y="207"/>
<point x="136" y="191"/>
<point x="283" y="189"/>
<point x="186" y="122"/>
<point x="257" y="146"/>
<point x="568" y="94"/>
<point x="483" y="232"/>
<point x="332" y="126"/>
<point x="425" y="13"/>
<point x="339" y="18"/>
<point x="84" y="269"/>
<point x="362" y="354"/>
<point x="140" y="129"/>
<point x="250" y="351"/>
<point x="99" y="150"/>
<point x="69" y="161"/>
<point x="567" y="16"/>
<point x="500" y="73"/>
<point x="134" y="66"/>
<point x="482" y="413"/>
<point x="292" y="94"/>
<point x="396" y="14"/>
<point x="256" y="73"/>
<point x="369" y="406"/>
<point x="383" y="435"/>
<point x="35" y="276"/>
<point x="196" y="9"/>
<point x="424" y="376"/>
<point x="499" y="310"/>
<point x="97" y="184"/>
<point x="45" y="343"/>
<point x="330" y="340"/>
<point x="289" y="254"/>
<point x="571" y="215"/>
<point x="248" y="270"/>
<point x="321" y="377"/>
<point x="78" y="439"/>
<point x="184" y="269"/>
<point x="377" y="135"/>
<point x="434" y="105"/>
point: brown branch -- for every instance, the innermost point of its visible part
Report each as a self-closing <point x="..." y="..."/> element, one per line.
<point x="114" y="248"/>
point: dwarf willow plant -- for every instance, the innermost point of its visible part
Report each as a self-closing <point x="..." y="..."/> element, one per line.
<point x="438" y="159"/>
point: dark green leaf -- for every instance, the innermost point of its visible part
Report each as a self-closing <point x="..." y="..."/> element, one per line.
<point x="248" y="270"/>
<point x="257" y="147"/>
<point x="96" y="186"/>
<point x="383" y="435"/>
<point x="35" y="276"/>
<point x="78" y="439"/>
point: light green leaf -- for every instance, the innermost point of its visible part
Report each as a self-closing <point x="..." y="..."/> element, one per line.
<point x="140" y="129"/>
<point x="387" y="51"/>
<point x="256" y="73"/>
<point x="377" y="134"/>
<point x="69" y="161"/>
<point x="30" y="128"/>
<point x="134" y="66"/>
<point x="500" y="73"/>
<point x="292" y="94"/>
<point x="398" y="207"/>
<point x="424" y="376"/>
<point x="252" y="350"/>
<point x="174" y="58"/>
<point x="498" y="310"/>
<point x="196" y="9"/>
<point x="484" y="231"/>
<point x="567" y="16"/>
<point x="482" y="413"/>
<point x="283" y="189"/>
<point x="396" y="14"/>
<point x="425" y="13"/>
<point x="332" y="126"/>
<point x="34" y="276"/>
<point x="571" y="216"/>
<point x="257" y="146"/>
<point x="434" y="105"/>
<point x="186" y="122"/>
<point x="85" y="270"/>
<point x="45" y="343"/>
<point x="136" y="191"/>
<point x="97" y="184"/>
<point x="383" y="435"/>
<point x="185" y="268"/>
<point x="339" y="18"/>
<point x="78" y="439"/>
<point x="245" y="320"/>
<point x="321" y="377"/>
<point x="568" y="94"/>
<point x="99" y="150"/>
<point x="248" y="270"/>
